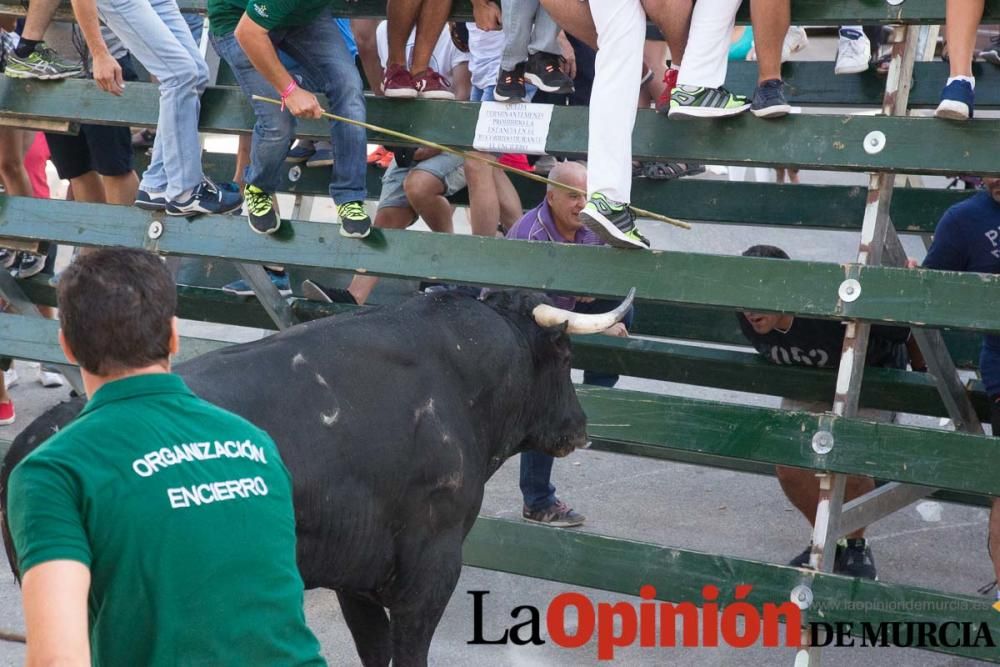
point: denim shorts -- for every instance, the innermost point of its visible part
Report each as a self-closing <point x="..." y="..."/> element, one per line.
<point x="446" y="167"/>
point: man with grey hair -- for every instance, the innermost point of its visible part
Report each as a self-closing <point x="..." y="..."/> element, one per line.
<point x="557" y="220"/>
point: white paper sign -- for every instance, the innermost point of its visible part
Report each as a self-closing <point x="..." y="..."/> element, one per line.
<point x="512" y="128"/>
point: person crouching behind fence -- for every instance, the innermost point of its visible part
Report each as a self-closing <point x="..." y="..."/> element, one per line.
<point x="247" y="35"/>
<point x="166" y="518"/>
<point x="788" y="340"/>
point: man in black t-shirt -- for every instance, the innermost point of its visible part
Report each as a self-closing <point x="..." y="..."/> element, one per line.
<point x="788" y="340"/>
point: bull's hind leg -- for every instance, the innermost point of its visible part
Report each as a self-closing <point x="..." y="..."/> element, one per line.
<point x="369" y="626"/>
<point x="426" y="584"/>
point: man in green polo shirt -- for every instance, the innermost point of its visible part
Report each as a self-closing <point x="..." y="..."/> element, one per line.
<point x="155" y="529"/>
<point x="247" y="34"/>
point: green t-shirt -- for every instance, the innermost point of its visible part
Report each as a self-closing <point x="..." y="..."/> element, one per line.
<point x="223" y="15"/>
<point x="183" y="513"/>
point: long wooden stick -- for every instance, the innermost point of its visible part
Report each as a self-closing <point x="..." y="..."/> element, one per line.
<point x="469" y="155"/>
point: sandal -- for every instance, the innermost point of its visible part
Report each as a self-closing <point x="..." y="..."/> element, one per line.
<point x="667" y="171"/>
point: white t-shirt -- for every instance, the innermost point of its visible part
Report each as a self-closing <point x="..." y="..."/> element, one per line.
<point x="486" y="48"/>
<point x="444" y="58"/>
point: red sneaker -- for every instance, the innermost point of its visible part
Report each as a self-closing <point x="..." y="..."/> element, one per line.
<point x="386" y="160"/>
<point x="7" y="413"/>
<point x="516" y="160"/>
<point x="433" y="86"/>
<point x="376" y="155"/>
<point x="398" y="82"/>
<point x="670" y="82"/>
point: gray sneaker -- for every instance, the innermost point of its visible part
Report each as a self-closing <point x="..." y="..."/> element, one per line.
<point x="42" y="63"/>
<point x="692" y="102"/>
<point x="558" y="515"/>
<point x="613" y="221"/>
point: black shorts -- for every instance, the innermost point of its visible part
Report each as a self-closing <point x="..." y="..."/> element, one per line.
<point x="995" y="415"/>
<point x="101" y="148"/>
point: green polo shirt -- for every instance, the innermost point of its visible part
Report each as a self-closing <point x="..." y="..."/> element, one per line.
<point x="223" y="15"/>
<point x="183" y="513"/>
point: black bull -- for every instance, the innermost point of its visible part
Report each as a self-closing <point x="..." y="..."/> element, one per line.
<point x="390" y="421"/>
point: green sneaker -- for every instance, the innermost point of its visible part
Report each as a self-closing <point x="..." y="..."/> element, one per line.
<point x="262" y="215"/>
<point x="354" y="220"/>
<point x="691" y="102"/>
<point x="42" y="63"/>
<point x="613" y="221"/>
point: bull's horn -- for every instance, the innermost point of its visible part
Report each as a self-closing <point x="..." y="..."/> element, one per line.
<point x="580" y="323"/>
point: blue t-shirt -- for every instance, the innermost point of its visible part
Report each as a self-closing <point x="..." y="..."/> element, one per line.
<point x="967" y="238"/>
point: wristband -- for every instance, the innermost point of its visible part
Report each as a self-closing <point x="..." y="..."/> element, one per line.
<point x="289" y="89"/>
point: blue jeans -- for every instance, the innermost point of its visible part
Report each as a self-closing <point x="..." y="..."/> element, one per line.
<point x="527" y="29"/>
<point x="155" y="32"/>
<point x="536" y="468"/>
<point x="325" y="62"/>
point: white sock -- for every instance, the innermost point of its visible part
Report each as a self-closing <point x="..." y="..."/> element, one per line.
<point x="184" y="196"/>
<point x="970" y="79"/>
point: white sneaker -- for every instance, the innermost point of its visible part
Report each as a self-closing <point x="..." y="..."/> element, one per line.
<point x="10" y="378"/>
<point x="795" y="40"/>
<point x="50" y="379"/>
<point x="854" y="52"/>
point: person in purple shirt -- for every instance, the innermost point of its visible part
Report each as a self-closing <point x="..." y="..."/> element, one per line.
<point x="557" y="220"/>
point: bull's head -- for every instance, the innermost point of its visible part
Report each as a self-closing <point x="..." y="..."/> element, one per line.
<point x="557" y="423"/>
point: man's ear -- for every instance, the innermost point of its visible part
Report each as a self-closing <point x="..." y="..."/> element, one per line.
<point x="175" y="337"/>
<point x="66" y="350"/>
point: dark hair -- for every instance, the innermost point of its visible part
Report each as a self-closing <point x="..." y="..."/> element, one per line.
<point x="115" y="309"/>
<point x="769" y="251"/>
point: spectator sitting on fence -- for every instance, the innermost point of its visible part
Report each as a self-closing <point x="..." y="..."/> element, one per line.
<point x="784" y="339"/>
<point x="418" y="182"/>
<point x="493" y="201"/>
<point x="959" y="94"/>
<point x="246" y="35"/>
<point x="156" y="34"/>
<point x="93" y="520"/>
<point x="531" y="52"/>
<point x="427" y="18"/>
<point x="967" y="238"/>
<point x="557" y="220"/>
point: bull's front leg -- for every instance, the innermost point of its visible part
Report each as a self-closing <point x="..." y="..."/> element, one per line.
<point x="429" y="569"/>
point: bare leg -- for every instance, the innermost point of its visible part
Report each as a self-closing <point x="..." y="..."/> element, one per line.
<point x="40" y="13"/>
<point x="425" y="193"/>
<point x="402" y="16"/>
<point x="654" y="55"/>
<point x="13" y="143"/>
<point x="673" y="18"/>
<point x="89" y="188"/>
<point x="242" y="158"/>
<point x="510" y="203"/>
<point x="802" y="489"/>
<point x="962" y="20"/>
<point x="388" y="217"/>
<point x="771" y="19"/>
<point x="484" y="203"/>
<point x="432" y="19"/>
<point x="121" y="189"/>
<point x="574" y="17"/>
<point x="364" y="37"/>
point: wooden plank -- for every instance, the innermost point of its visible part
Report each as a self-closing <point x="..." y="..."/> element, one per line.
<point x="642" y="424"/>
<point x="800" y="140"/>
<point x="834" y="207"/>
<point x="678" y="575"/>
<point x="813" y="83"/>
<point x="927" y="298"/>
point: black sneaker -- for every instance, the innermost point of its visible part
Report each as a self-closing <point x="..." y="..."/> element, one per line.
<point x="613" y="221"/>
<point x="543" y="71"/>
<point x="856" y="560"/>
<point x="30" y="265"/>
<point x="314" y="291"/>
<point x="150" y="201"/>
<point x="510" y="85"/>
<point x="558" y="515"/>
<point x="261" y="213"/>
<point x="802" y="560"/>
<point x="207" y="197"/>
<point x="354" y="220"/>
<point x="8" y="258"/>
<point x="769" y="100"/>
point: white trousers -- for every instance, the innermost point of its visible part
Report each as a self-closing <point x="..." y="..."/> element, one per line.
<point x="707" y="54"/>
<point x="621" y="33"/>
